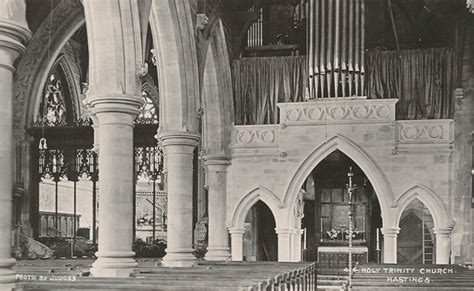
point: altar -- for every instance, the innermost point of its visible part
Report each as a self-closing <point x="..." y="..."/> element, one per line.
<point x="337" y="221"/>
<point x="338" y="257"/>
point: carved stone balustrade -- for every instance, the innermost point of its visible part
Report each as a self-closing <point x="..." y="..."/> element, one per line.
<point x="255" y="135"/>
<point x="337" y="110"/>
<point x="422" y="135"/>
<point x="405" y="136"/>
<point x="247" y="138"/>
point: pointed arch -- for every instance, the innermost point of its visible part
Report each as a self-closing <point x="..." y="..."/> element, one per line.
<point x="40" y="57"/>
<point x="339" y="142"/>
<point x="429" y="198"/>
<point x="174" y="40"/>
<point x="257" y="194"/>
<point x="217" y="94"/>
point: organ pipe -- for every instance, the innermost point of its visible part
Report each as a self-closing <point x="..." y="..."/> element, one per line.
<point x="357" y="48"/>
<point x="351" y="45"/>
<point x="344" y="39"/>
<point x="321" y="52"/>
<point x="311" y="30"/>
<point x="336" y="40"/>
<point x="336" y="47"/>
<point x="329" y="49"/>
<point x="362" y="52"/>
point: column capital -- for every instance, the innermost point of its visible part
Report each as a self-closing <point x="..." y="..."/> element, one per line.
<point x="13" y="38"/>
<point x="298" y="231"/>
<point x="216" y="160"/>
<point x="285" y="231"/>
<point x="14" y="32"/>
<point x="14" y="35"/>
<point x="236" y="230"/>
<point x="114" y="103"/>
<point x="443" y="231"/>
<point x="177" y="138"/>
<point x="390" y="231"/>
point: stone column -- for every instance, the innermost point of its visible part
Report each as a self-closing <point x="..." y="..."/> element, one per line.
<point x="443" y="245"/>
<point x="14" y="34"/>
<point x="115" y="115"/>
<point x="284" y="244"/>
<point x="179" y="147"/>
<point x="218" y="247"/>
<point x="390" y="236"/>
<point x="236" y="237"/>
<point x="296" y="245"/>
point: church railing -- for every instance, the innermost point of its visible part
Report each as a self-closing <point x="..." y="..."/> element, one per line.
<point x="64" y="227"/>
<point x="298" y="279"/>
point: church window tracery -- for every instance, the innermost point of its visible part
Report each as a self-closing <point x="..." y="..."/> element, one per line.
<point x="53" y="105"/>
<point x="148" y="114"/>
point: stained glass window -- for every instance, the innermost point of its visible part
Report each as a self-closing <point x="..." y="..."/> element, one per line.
<point x="53" y="107"/>
<point x="148" y="113"/>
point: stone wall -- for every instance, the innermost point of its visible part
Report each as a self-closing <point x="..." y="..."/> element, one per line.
<point x="403" y="160"/>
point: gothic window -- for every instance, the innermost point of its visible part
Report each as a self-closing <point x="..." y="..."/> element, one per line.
<point x="149" y="113"/>
<point x="53" y="105"/>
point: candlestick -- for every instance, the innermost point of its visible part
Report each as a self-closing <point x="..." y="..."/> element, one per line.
<point x="350" y="189"/>
<point x="304" y="239"/>
<point x="378" y="239"/>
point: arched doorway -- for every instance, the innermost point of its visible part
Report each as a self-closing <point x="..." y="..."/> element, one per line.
<point x="326" y="222"/>
<point x="260" y="241"/>
<point x="416" y="240"/>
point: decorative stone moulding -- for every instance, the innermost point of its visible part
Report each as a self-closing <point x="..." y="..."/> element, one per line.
<point x="255" y="136"/>
<point x="433" y="134"/>
<point x="337" y="110"/>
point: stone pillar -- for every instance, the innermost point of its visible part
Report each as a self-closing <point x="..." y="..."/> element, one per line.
<point x="237" y="245"/>
<point x="14" y="34"/>
<point x="296" y="245"/>
<point x="115" y="115"/>
<point x="218" y="247"/>
<point x="390" y="236"/>
<point x="443" y="245"/>
<point x="179" y="147"/>
<point x="95" y="126"/>
<point x="284" y="244"/>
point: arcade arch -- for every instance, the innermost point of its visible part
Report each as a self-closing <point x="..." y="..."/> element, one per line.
<point x="438" y="224"/>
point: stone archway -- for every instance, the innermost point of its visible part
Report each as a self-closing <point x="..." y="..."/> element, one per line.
<point x="33" y="69"/>
<point x="236" y="225"/>
<point x="217" y="112"/>
<point x="217" y="94"/>
<point x="372" y="171"/>
<point x="39" y="58"/>
<point x="442" y="226"/>
<point x="173" y="33"/>
<point x="360" y="157"/>
<point x="259" y="193"/>
<point x="117" y="58"/>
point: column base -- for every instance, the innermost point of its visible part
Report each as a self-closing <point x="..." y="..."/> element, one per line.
<point x="217" y="254"/>
<point x="115" y="267"/>
<point x="181" y="258"/>
<point x="7" y="274"/>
